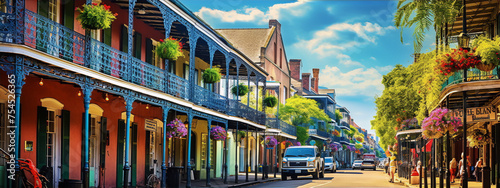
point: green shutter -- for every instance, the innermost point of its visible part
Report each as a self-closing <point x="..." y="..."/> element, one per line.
<point x="68" y="14"/>
<point x="43" y="8"/>
<point x="107" y="36"/>
<point x="124" y="39"/>
<point x="149" y="51"/>
<point x="134" y="154"/>
<point x="65" y="143"/>
<point x="148" y="144"/>
<point x="42" y="34"/>
<point x="120" y="152"/>
<point x="104" y="136"/>
<point x="41" y="137"/>
<point x="137" y="45"/>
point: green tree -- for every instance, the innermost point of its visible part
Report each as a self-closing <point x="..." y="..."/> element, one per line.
<point x="338" y="115"/>
<point x="302" y="135"/>
<point x="299" y="111"/>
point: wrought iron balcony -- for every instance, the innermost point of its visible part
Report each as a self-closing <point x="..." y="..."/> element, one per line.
<point x="57" y="40"/>
<point x="344" y="140"/>
<point x="323" y="134"/>
<point x="330" y="114"/>
<point x="277" y="123"/>
<point x="472" y="75"/>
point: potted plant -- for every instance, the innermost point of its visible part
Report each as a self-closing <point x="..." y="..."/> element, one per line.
<point x="270" y="101"/>
<point x="241" y="135"/>
<point x="95" y="16"/>
<point x="359" y="138"/>
<point x="460" y="59"/>
<point x="218" y="133"/>
<point x="170" y="49"/>
<point x="488" y="50"/>
<point x="240" y="90"/>
<point x="176" y="129"/>
<point x="211" y="75"/>
<point x="270" y="141"/>
<point x="336" y="133"/>
<point x="478" y="137"/>
<point x="439" y="122"/>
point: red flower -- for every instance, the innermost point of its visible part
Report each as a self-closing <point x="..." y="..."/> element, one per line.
<point x="161" y="40"/>
<point x="95" y="4"/>
<point x="115" y="14"/>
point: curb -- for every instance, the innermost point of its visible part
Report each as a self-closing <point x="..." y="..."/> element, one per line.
<point x="255" y="182"/>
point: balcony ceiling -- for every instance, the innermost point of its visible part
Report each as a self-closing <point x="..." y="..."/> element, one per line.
<point x="475" y="98"/>
<point x="480" y="13"/>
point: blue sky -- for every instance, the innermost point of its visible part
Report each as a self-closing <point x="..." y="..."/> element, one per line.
<point x="353" y="42"/>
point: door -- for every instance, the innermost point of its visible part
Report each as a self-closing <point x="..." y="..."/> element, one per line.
<point x="48" y="145"/>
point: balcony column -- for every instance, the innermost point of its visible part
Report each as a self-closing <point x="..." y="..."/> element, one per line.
<point x="131" y="5"/>
<point x="164" y="148"/>
<point x="247" y="145"/>
<point x="87" y="92"/>
<point x="20" y="7"/>
<point x="257" y="93"/>
<point x="88" y="42"/>
<point x="264" y="167"/>
<point x="211" y="49"/>
<point x="167" y="24"/>
<point x="224" y="166"/>
<point x="188" y="157"/>
<point x="192" y="49"/>
<point x="236" y="170"/>
<point x="256" y="153"/>
<point x="228" y="60"/>
<point x="16" y="75"/>
<point x="129" y="100"/>
<point x="249" y="91"/>
<point x="209" y="121"/>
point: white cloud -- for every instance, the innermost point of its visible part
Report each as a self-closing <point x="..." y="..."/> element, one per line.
<point x="407" y="44"/>
<point x="373" y="58"/>
<point x="357" y="82"/>
<point x="338" y="38"/>
<point x="253" y="14"/>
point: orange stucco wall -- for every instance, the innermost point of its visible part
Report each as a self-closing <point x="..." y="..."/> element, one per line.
<point x="67" y="94"/>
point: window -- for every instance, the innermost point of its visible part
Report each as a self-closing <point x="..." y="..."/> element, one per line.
<point x="53" y="10"/>
<point x="51" y="121"/>
<point x="281" y="58"/>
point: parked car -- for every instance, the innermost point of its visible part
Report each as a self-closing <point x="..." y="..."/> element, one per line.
<point x="382" y="162"/>
<point x="357" y="164"/>
<point x="368" y="164"/>
<point x="302" y="161"/>
<point x="330" y="164"/>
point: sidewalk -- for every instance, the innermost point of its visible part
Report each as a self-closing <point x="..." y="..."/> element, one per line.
<point x="472" y="184"/>
<point x="219" y="182"/>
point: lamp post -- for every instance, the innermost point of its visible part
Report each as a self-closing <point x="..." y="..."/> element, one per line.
<point x="464" y="43"/>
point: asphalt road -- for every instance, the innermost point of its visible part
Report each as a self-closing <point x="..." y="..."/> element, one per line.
<point x="342" y="178"/>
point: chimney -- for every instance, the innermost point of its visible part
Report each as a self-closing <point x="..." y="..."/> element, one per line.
<point x="306" y="77"/>
<point x="295" y="68"/>
<point x="313" y="86"/>
<point x="275" y="23"/>
<point x="316" y="79"/>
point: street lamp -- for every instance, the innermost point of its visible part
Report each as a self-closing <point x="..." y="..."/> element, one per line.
<point x="463" y="41"/>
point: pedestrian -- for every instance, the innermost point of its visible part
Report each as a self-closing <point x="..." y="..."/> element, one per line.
<point x="462" y="169"/>
<point x="478" y="169"/>
<point x="453" y="170"/>
<point x="393" y="168"/>
<point x="419" y="165"/>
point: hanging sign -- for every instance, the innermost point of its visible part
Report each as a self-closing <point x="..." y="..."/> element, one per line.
<point x="486" y="113"/>
<point x="150" y="125"/>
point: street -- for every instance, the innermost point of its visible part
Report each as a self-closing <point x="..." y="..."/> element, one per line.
<point x="342" y="178"/>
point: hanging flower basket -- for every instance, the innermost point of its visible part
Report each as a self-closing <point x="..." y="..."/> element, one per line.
<point x="409" y="124"/>
<point x="460" y="59"/>
<point x="489" y="51"/>
<point x="240" y="90"/>
<point x="218" y="133"/>
<point x="298" y="143"/>
<point x="478" y="137"/>
<point x="170" y="49"/>
<point x="439" y="122"/>
<point x="211" y="75"/>
<point x="270" y="101"/>
<point x="95" y="16"/>
<point x="336" y="133"/>
<point x="270" y="141"/>
<point x="176" y="129"/>
<point x="241" y="135"/>
<point x="286" y="144"/>
<point x="359" y="138"/>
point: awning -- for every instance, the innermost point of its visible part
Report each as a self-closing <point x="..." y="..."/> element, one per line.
<point x="480" y="13"/>
<point x="409" y="131"/>
<point x="319" y="137"/>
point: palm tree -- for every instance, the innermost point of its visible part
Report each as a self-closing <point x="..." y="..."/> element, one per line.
<point x="423" y="15"/>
